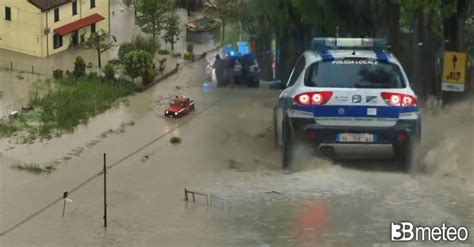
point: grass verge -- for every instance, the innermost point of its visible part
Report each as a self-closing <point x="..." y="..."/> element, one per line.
<point x="62" y="105"/>
<point x="7" y="128"/>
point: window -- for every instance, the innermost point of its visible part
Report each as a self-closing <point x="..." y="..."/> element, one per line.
<point x="93" y="28"/>
<point x="56" y="14"/>
<point x="58" y="41"/>
<point x="8" y="13"/>
<point x="74" y="7"/>
<point x="299" y="67"/>
<point x="354" y="73"/>
<point x="92" y="4"/>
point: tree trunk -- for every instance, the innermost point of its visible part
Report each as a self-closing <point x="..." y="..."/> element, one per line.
<point x="428" y="55"/>
<point x="290" y="44"/>
<point x="172" y="46"/>
<point x="454" y="36"/>
<point x="454" y="27"/>
<point x="394" y="26"/>
<point x="288" y="52"/>
<point x="264" y="50"/>
<point x="417" y="73"/>
<point x="99" y="58"/>
<point x="223" y="32"/>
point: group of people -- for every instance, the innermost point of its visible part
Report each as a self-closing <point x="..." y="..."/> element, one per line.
<point x="224" y="70"/>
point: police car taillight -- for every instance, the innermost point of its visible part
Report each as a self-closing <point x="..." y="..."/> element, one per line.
<point x="313" y="98"/>
<point x="398" y="99"/>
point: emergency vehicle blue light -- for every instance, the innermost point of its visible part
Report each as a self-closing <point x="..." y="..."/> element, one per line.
<point x="243" y="48"/>
<point x="227" y="49"/>
<point x="381" y="56"/>
<point x="327" y="57"/>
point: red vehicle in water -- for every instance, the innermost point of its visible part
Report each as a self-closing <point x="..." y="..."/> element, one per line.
<point x="179" y="106"/>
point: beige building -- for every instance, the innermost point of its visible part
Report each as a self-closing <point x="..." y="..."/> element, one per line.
<point x="42" y="28"/>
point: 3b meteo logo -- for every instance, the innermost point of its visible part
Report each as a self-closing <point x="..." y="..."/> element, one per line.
<point x="405" y="231"/>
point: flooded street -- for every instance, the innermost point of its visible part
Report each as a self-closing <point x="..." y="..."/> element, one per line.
<point x="222" y="184"/>
<point x="227" y="150"/>
<point x="14" y="89"/>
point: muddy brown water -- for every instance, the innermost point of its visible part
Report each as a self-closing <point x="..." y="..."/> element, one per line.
<point x="226" y="150"/>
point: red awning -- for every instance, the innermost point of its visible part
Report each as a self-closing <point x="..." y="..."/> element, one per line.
<point x="84" y="22"/>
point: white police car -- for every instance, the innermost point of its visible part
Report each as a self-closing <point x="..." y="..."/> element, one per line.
<point x="347" y="93"/>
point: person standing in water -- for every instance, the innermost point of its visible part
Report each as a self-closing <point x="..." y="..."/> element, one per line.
<point x="219" y="68"/>
<point x="230" y="70"/>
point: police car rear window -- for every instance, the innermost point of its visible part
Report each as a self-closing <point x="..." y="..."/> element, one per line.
<point x="354" y="73"/>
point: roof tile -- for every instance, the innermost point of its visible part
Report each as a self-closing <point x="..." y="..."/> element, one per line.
<point x="45" y="5"/>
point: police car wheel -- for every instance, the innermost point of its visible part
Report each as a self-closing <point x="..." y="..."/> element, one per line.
<point x="275" y="130"/>
<point x="408" y="157"/>
<point x="288" y="147"/>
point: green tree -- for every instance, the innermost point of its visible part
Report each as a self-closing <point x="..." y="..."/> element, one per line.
<point x="101" y="42"/>
<point x="171" y="36"/>
<point x="151" y="15"/>
<point x="124" y="49"/>
<point x="149" y="44"/>
<point x="228" y="11"/>
<point x="136" y="63"/>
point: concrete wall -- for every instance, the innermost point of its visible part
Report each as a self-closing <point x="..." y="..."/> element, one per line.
<point x="26" y="32"/>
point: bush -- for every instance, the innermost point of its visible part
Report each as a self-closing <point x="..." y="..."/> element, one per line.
<point x="93" y="76"/>
<point x="188" y="55"/>
<point x="109" y="72"/>
<point x="163" y="52"/>
<point x="79" y="67"/>
<point x="149" y="76"/>
<point x="114" y="62"/>
<point x="124" y="49"/>
<point x="190" y="48"/>
<point x="136" y="63"/>
<point x="57" y="74"/>
<point x="149" y="45"/>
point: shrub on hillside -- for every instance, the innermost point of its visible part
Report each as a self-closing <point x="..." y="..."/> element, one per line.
<point x="79" y="67"/>
<point x="149" y="76"/>
<point x="124" y="49"/>
<point x="109" y="72"/>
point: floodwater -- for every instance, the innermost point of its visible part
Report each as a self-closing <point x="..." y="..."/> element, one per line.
<point x="14" y="88"/>
<point x="226" y="151"/>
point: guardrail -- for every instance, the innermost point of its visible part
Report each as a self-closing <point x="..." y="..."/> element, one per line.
<point x="194" y="193"/>
<point x="214" y="199"/>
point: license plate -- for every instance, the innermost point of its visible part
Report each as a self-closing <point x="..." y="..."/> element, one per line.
<point x="350" y="137"/>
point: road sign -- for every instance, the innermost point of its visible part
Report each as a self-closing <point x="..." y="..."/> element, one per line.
<point x="454" y="71"/>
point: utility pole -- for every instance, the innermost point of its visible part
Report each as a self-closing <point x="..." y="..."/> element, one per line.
<point x="65" y="195"/>
<point x="105" y="190"/>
